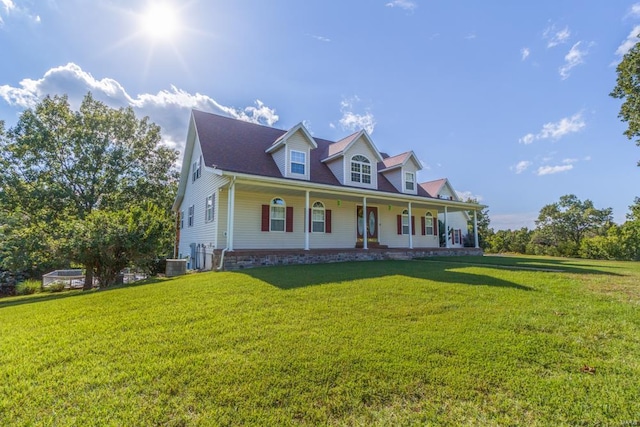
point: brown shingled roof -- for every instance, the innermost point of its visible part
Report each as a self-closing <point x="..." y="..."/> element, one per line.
<point x="237" y="146"/>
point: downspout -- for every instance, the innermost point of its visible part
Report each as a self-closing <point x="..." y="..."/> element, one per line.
<point x="229" y="201"/>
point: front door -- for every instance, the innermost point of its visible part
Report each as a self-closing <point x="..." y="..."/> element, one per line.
<point x="371" y="221"/>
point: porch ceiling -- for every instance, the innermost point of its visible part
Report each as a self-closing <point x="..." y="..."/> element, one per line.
<point x="335" y="195"/>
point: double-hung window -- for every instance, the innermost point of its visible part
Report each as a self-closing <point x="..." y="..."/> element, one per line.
<point x="192" y="209"/>
<point x="409" y="181"/>
<point x="360" y="169"/>
<point x="277" y="214"/>
<point x="209" y="208"/>
<point x="196" y="169"/>
<point x="318" y="218"/>
<point x="298" y="162"/>
<point x="428" y="224"/>
<point x="405" y="222"/>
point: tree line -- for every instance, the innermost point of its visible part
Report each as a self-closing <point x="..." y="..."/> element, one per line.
<point x="90" y="188"/>
<point x="569" y="227"/>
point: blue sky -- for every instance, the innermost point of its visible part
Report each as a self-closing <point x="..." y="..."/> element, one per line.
<point x="509" y="100"/>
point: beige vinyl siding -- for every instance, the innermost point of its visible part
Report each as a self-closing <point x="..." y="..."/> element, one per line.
<point x="195" y="194"/>
<point x="361" y="147"/>
<point x="395" y="177"/>
<point x="388" y="229"/>
<point x="337" y="168"/>
<point x="280" y="158"/>
<point x="298" y="142"/>
<point x="248" y="222"/>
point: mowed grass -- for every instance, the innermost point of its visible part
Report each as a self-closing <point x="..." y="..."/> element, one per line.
<point x="442" y="342"/>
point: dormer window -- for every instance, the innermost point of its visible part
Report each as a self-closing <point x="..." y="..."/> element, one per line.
<point x="360" y="169"/>
<point x="298" y="162"/>
<point x="409" y="181"/>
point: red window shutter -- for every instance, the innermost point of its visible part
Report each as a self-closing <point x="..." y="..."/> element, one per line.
<point x="289" y="224"/>
<point x="310" y="224"/>
<point x="265" y="217"/>
<point x="327" y="221"/>
<point x="424" y="229"/>
<point x="435" y="226"/>
<point x="399" y="224"/>
<point x="413" y="224"/>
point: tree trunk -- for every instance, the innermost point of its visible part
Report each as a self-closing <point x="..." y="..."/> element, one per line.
<point x="88" y="278"/>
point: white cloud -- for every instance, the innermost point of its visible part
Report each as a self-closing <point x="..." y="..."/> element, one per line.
<point x="470" y="36"/>
<point x="556" y="130"/>
<point x="321" y="38"/>
<point x="569" y="161"/>
<point x="574" y="57"/>
<point x="8" y="7"/>
<point x="629" y="42"/>
<point x="550" y="170"/>
<point x="554" y="37"/>
<point x="521" y="166"/>
<point x="353" y="121"/>
<point x="403" y="4"/>
<point x="169" y="108"/>
<point x="524" y="53"/>
<point x="634" y="10"/>
<point x="464" y="195"/>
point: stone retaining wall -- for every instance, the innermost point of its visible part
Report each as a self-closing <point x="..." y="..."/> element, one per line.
<point x="241" y="259"/>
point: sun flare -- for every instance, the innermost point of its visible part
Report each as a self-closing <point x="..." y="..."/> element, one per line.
<point x="160" y="21"/>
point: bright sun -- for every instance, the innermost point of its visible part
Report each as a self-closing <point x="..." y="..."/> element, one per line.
<point x="160" y="21"/>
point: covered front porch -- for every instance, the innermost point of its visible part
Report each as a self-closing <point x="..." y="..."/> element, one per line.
<point x="319" y="218"/>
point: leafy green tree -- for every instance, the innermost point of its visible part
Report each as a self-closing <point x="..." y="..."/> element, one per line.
<point x="483" y="226"/>
<point x="561" y="226"/>
<point x="60" y="165"/>
<point x="628" y="89"/>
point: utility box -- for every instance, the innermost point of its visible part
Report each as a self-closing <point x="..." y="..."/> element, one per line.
<point x="176" y="267"/>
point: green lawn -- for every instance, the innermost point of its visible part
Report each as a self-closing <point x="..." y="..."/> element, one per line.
<point x="452" y="341"/>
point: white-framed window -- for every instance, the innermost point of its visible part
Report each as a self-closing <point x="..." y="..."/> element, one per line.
<point x="360" y="169"/>
<point x="298" y="162"/>
<point x="209" y="208"/>
<point x="196" y="169"/>
<point x="428" y="224"/>
<point x="318" y="217"/>
<point x="192" y="209"/>
<point x="181" y="219"/>
<point x="405" y="222"/>
<point x="277" y="214"/>
<point x="409" y="181"/>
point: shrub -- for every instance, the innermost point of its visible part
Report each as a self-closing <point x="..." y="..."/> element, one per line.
<point x="56" y="286"/>
<point x="28" y="287"/>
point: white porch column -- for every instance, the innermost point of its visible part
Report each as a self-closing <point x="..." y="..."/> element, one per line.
<point x="410" y="228"/>
<point x="306" y="221"/>
<point x="475" y="228"/>
<point x="365" y="233"/>
<point x="231" y="202"/>
<point x="446" y="229"/>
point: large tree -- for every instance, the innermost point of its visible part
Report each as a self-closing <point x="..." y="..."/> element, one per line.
<point x="628" y="89"/>
<point x="563" y="225"/>
<point x="60" y="165"/>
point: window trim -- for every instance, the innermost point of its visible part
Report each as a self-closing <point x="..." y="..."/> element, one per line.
<point x="405" y="214"/>
<point x="360" y="162"/>
<point x="192" y="211"/>
<point x="283" y="206"/>
<point x="197" y="169"/>
<point x="303" y="163"/>
<point x="209" y="208"/>
<point x="318" y="206"/>
<point x="428" y="221"/>
<point x="411" y="181"/>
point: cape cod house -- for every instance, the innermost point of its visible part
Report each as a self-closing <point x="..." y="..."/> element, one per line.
<point x="251" y="189"/>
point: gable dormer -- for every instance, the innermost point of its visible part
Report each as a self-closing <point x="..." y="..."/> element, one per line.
<point x="354" y="160"/>
<point x="292" y="152"/>
<point x="402" y="171"/>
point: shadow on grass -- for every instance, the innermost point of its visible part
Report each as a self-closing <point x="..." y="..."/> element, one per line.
<point x="43" y="297"/>
<point x="530" y="263"/>
<point x="299" y="276"/>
